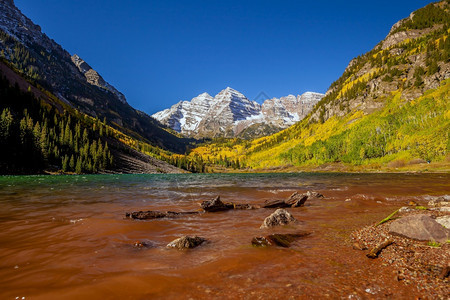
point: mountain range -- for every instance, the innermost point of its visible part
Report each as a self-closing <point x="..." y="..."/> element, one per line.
<point x="388" y="110"/>
<point x="42" y="60"/>
<point x="231" y="114"/>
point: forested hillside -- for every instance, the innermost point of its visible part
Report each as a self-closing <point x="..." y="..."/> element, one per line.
<point x="34" y="136"/>
<point x="40" y="133"/>
<point x="43" y="61"/>
<point x="389" y="109"/>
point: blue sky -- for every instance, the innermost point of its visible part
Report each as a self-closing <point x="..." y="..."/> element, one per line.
<point x="160" y="52"/>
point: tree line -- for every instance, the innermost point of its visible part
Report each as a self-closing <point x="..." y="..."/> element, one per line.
<point x="35" y="136"/>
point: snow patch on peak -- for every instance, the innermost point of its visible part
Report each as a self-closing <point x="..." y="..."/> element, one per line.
<point x="231" y="111"/>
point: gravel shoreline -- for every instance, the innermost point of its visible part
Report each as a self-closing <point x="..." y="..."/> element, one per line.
<point x="415" y="263"/>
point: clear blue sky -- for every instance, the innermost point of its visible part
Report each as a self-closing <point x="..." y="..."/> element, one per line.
<point x="160" y="52"/>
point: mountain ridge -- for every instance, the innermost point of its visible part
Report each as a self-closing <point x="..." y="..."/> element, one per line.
<point x="389" y="110"/>
<point x="230" y="113"/>
<point x="72" y="80"/>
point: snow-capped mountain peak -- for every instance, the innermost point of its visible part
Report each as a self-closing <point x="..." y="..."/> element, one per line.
<point x="230" y="112"/>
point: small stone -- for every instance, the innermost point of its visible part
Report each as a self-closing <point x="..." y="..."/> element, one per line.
<point x="142" y="244"/>
<point x="277" y="239"/>
<point x="278" y="218"/>
<point x="186" y="242"/>
<point x="358" y="246"/>
<point x="314" y="195"/>
<point x="405" y="209"/>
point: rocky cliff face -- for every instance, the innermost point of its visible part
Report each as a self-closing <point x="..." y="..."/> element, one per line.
<point x="230" y="114"/>
<point x="94" y="78"/>
<point x="21" y="28"/>
<point x="413" y="58"/>
<point x="42" y="60"/>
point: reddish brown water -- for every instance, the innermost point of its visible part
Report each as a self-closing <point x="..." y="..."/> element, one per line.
<point x="65" y="237"/>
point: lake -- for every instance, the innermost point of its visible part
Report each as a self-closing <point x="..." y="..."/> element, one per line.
<point x="66" y="237"/>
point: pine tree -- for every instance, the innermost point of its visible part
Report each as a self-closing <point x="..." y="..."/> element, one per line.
<point x="6" y="120"/>
<point x="72" y="163"/>
<point x="79" y="166"/>
<point x="65" y="160"/>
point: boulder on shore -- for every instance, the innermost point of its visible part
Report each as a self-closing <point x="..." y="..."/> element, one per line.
<point x="277" y="239"/>
<point x="151" y="214"/>
<point x="279" y="217"/>
<point x="420" y="227"/>
<point x="186" y="242"/>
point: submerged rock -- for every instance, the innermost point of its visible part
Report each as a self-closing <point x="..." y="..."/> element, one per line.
<point x="244" y="206"/>
<point x="279" y="217"/>
<point x="420" y="227"/>
<point x="282" y="240"/>
<point x="150" y="214"/>
<point x="186" y="242"/>
<point x="143" y="244"/>
<point x="216" y="205"/>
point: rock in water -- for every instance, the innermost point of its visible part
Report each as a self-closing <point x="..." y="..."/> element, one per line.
<point x="186" y="242"/>
<point x="150" y="214"/>
<point x="275" y="204"/>
<point x="279" y="217"/>
<point x="313" y="195"/>
<point x="244" y="206"/>
<point x="216" y="205"/>
<point x="296" y="200"/>
<point x="420" y="227"/>
<point x="143" y="244"/>
<point x="282" y="240"/>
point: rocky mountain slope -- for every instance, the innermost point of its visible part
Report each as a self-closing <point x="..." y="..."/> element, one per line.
<point x="389" y="109"/>
<point x="42" y="60"/>
<point x="231" y="114"/>
<point x="412" y="58"/>
<point x="40" y="133"/>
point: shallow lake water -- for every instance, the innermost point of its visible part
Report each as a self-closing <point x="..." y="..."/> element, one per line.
<point x="66" y="237"/>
